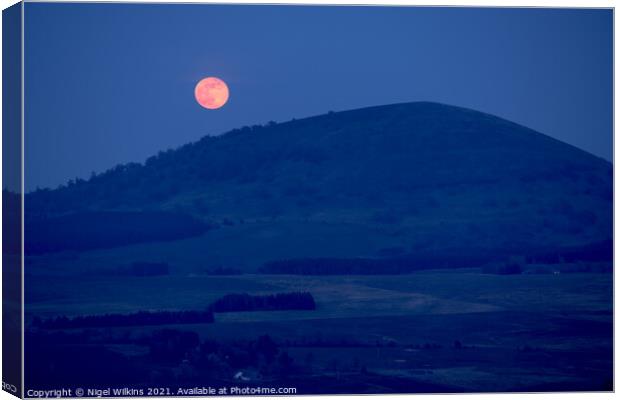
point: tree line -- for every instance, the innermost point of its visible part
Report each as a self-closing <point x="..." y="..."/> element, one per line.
<point x="372" y="266"/>
<point x="595" y="251"/>
<point x="228" y="303"/>
<point x="449" y="258"/>
<point x="270" y="302"/>
<point x="140" y="318"/>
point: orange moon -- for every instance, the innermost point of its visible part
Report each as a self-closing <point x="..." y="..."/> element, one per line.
<point x="211" y="93"/>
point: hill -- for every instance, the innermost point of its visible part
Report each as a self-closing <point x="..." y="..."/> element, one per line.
<point x="383" y="181"/>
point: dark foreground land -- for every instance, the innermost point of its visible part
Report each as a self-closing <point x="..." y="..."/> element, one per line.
<point x="431" y="331"/>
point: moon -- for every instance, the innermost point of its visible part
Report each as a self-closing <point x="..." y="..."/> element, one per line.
<point x="211" y="93"/>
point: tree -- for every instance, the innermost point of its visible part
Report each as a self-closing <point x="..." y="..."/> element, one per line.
<point x="285" y="362"/>
<point x="266" y="347"/>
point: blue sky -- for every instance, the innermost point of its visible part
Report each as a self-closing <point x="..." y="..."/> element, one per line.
<point x="113" y="83"/>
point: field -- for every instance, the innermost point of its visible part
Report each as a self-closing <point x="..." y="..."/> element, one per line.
<point x="437" y="331"/>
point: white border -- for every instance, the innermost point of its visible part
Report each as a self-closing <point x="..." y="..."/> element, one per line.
<point x="404" y="3"/>
<point x="469" y="3"/>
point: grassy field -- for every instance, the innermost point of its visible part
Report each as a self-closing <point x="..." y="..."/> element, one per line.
<point x="336" y="296"/>
<point x="463" y="330"/>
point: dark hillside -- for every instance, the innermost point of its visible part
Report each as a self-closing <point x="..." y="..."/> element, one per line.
<point x="94" y="230"/>
<point x="417" y="175"/>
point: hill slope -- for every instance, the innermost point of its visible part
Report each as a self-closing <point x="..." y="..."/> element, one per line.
<point x="383" y="181"/>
